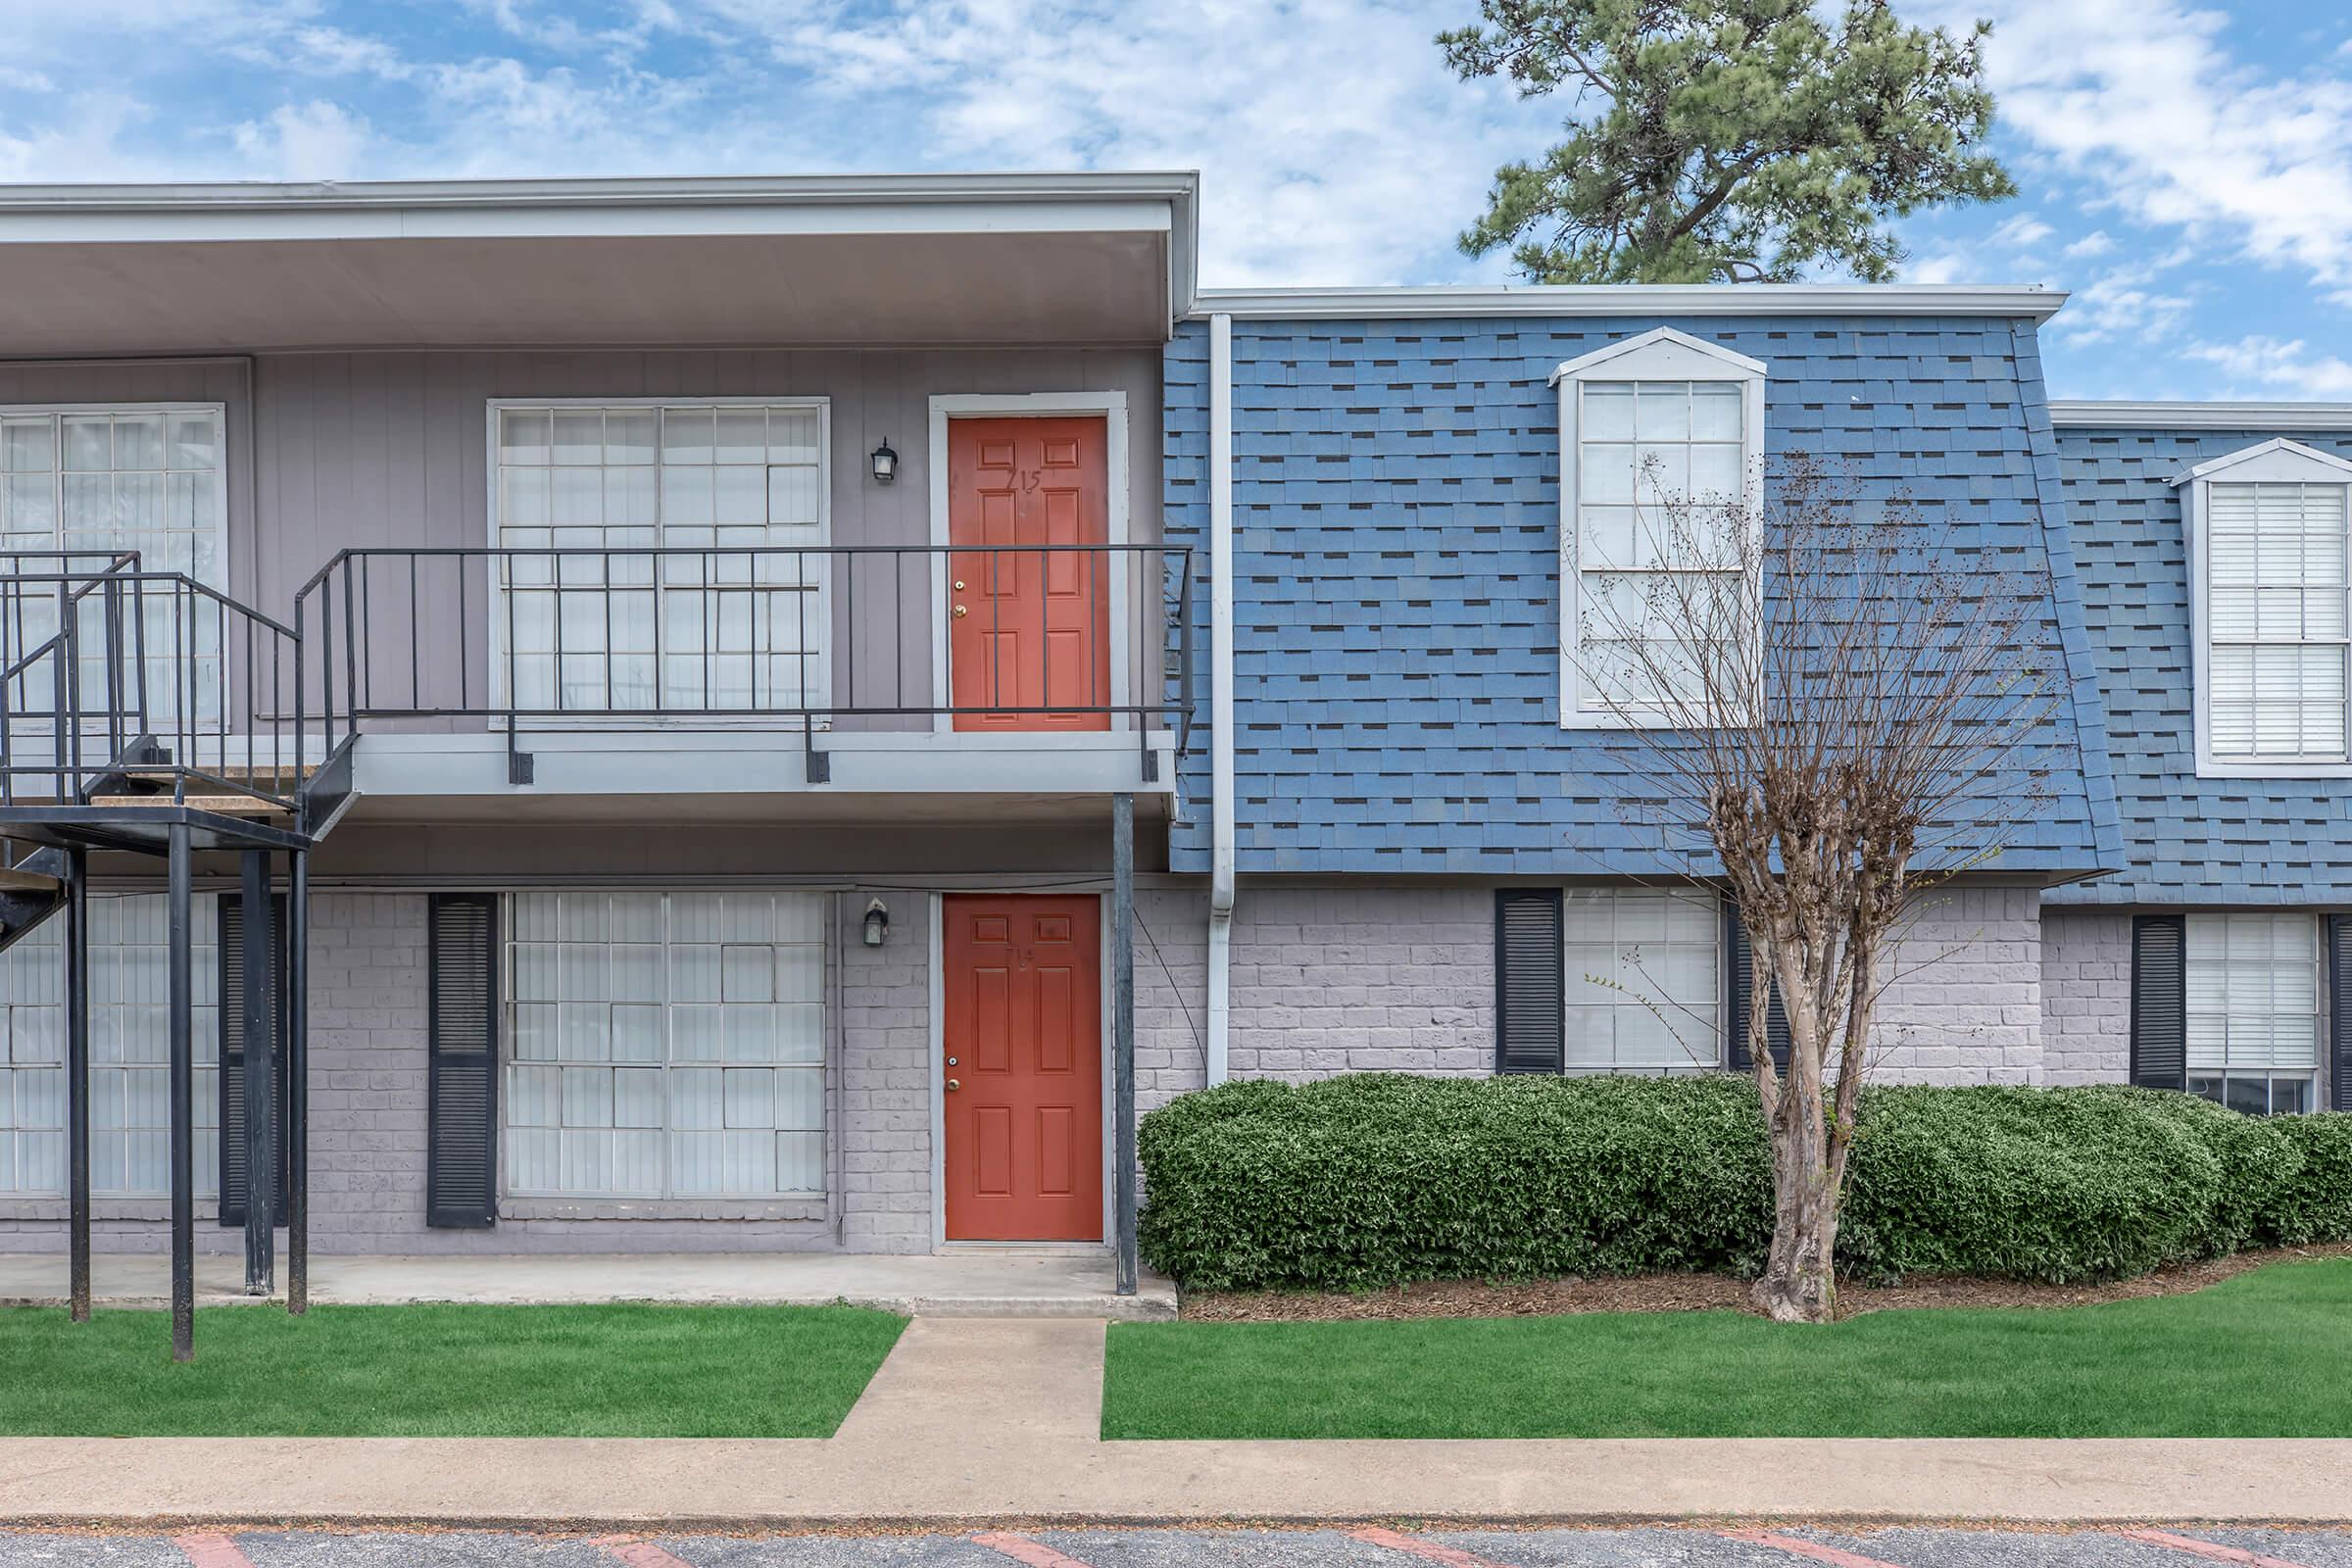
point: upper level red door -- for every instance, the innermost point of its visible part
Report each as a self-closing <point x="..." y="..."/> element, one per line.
<point x="1022" y="1069"/>
<point x="1030" y="628"/>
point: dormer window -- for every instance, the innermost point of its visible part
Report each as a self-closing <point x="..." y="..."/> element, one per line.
<point x="1661" y="438"/>
<point x="2272" y="600"/>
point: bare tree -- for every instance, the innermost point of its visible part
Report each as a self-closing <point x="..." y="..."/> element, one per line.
<point x="1841" y="706"/>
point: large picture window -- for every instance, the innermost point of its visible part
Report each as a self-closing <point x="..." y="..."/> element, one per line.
<point x="91" y="484"/>
<point x="666" y="1046"/>
<point x="739" y="627"/>
<point x="130" y="1089"/>
<point x="2253" y="990"/>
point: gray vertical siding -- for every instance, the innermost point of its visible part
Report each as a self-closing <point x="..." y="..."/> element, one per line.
<point x="391" y="449"/>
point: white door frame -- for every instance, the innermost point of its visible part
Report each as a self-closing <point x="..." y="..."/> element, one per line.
<point x="936" y="1035"/>
<point x="1111" y="406"/>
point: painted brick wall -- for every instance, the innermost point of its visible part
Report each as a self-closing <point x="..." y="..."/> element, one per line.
<point x="1963" y="1005"/>
<point x="885" y="1076"/>
<point x="1395" y="506"/>
<point x="2087" y="995"/>
<point x="2241" y="841"/>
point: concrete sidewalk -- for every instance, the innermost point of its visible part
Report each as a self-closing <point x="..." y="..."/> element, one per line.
<point x="991" y="1282"/>
<point x="974" y="1422"/>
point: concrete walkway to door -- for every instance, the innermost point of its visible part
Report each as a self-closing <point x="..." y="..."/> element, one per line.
<point x="978" y="1421"/>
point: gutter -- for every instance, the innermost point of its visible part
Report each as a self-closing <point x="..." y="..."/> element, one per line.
<point x="2122" y="415"/>
<point x="1220" y="694"/>
<point x="1630" y="299"/>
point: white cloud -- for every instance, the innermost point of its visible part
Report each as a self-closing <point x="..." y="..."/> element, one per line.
<point x="317" y="140"/>
<point x="2122" y="304"/>
<point x="1334" y="145"/>
<point x="2144" y="99"/>
<point x="2271" y="368"/>
<point x="2023" y="231"/>
<point x="2089" y="246"/>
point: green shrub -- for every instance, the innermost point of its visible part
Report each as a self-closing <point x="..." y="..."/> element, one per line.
<point x="2063" y="1185"/>
<point x="1372" y="1179"/>
<point x="2316" y="1207"/>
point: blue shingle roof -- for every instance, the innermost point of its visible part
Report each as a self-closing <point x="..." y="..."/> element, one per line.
<point x="2273" y="841"/>
<point x="1396" y="514"/>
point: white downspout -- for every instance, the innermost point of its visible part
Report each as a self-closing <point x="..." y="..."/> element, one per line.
<point x="1220" y="689"/>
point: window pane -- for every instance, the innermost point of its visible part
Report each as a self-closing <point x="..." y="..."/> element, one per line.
<point x="1644" y="978"/>
<point x="645" y="1107"/>
<point x="2253" y="992"/>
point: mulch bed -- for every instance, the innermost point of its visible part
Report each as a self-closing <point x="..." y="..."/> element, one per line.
<point x="1697" y="1293"/>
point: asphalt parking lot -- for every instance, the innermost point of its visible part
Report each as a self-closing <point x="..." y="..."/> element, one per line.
<point x="1780" y="1546"/>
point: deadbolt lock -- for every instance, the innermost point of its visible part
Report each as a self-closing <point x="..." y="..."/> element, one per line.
<point x="959" y="585"/>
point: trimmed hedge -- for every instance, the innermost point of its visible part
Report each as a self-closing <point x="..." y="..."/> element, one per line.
<point x="1377" y="1178"/>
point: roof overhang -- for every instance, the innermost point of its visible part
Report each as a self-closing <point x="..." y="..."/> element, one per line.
<point x="2277" y="459"/>
<point x="2250" y="416"/>
<point x="909" y="260"/>
<point x="1630" y="299"/>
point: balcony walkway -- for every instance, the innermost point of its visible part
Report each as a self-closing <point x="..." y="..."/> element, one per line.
<point x="977" y="1284"/>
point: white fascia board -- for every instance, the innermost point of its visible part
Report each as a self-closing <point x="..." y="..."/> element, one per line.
<point x="2101" y="414"/>
<point x="1661" y="345"/>
<point x="2276" y="459"/>
<point x="1630" y="299"/>
<point x="814" y="204"/>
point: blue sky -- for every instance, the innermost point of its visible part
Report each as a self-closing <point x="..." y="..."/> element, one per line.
<point x="2185" y="168"/>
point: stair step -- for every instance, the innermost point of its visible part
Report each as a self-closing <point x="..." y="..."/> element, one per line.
<point x="219" y="804"/>
<point x="140" y="776"/>
<point x="26" y="882"/>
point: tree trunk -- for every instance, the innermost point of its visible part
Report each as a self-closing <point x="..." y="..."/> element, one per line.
<point x="1800" y="1282"/>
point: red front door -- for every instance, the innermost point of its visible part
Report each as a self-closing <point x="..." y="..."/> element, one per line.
<point x="1029" y="628"/>
<point x="1022" y="1068"/>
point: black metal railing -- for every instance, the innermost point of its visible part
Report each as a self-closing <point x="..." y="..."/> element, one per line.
<point x="146" y="683"/>
<point x="1011" y="637"/>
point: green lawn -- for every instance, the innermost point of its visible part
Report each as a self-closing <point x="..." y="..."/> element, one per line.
<point x="443" y="1371"/>
<point x="2268" y="1353"/>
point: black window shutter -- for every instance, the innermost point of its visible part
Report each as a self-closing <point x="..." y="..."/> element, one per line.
<point x="1739" y="973"/>
<point x="2339" y="1010"/>
<point x="232" y="917"/>
<point x="1530" y="982"/>
<point x="2159" y="1002"/>
<point x="460" y="1178"/>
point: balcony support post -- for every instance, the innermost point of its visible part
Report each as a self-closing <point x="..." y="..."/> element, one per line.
<point x="260" y="1006"/>
<point x="298" y="1082"/>
<point x="1122" y="1032"/>
<point x="184" y="1096"/>
<point x="77" y="1083"/>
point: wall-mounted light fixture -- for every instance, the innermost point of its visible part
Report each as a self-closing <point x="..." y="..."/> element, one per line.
<point x="885" y="463"/>
<point x="877" y="923"/>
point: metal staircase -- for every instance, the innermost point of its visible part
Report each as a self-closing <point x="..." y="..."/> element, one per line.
<point x="147" y="714"/>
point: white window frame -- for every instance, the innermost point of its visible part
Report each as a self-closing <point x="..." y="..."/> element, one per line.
<point x="509" y="1061"/>
<point x="647" y="719"/>
<point x="2316" y="1075"/>
<point x="1574" y="989"/>
<point x="1659" y="355"/>
<point x="2277" y="462"/>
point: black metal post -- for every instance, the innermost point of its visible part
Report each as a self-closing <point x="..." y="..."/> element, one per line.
<point x="298" y="1082"/>
<point x="260" y="1079"/>
<point x="183" y="1101"/>
<point x="78" y="1082"/>
<point x="1122" y="1029"/>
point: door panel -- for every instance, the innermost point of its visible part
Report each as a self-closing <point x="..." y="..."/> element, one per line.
<point x="1035" y="624"/>
<point x="1023" y="1026"/>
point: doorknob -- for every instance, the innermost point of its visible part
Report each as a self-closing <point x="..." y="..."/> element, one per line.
<point x="954" y="1085"/>
<point x="959" y="612"/>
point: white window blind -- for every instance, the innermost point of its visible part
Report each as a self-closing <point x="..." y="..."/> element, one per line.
<point x="130" y="1021"/>
<point x="2253" y="1003"/>
<point x="2275" y="619"/>
<point x="725" y="632"/>
<point x="665" y="1045"/>
<point x="96" y="482"/>
<point x="1659" y="468"/>
<point x="1643" y="971"/>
